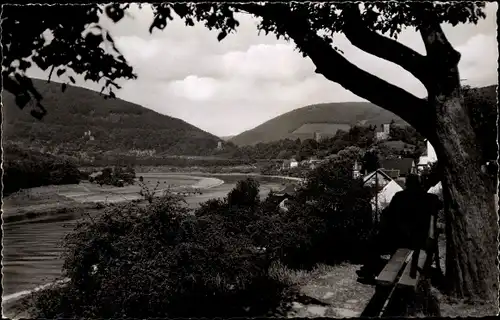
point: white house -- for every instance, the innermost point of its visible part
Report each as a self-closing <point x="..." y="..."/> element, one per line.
<point x="387" y="189"/>
<point x="428" y="157"/>
<point x="288" y="164"/>
<point x="437" y="189"/>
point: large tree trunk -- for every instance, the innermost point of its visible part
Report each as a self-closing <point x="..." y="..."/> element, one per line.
<point x="469" y="197"/>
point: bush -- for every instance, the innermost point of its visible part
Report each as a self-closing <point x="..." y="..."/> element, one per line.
<point x="116" y="176"/>
<point x="245" y="194"/>
<point x="160" y="261"/>
<point x="340" y="206"/>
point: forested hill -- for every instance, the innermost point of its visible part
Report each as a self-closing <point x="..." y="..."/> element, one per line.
<point x="327" y="118"/>
<point x="114" y="124"/>
<point x="324" y="118"/>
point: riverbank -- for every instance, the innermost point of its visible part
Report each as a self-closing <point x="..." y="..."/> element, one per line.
<point x="63" y="200"/>
<point x="51" y="200"/>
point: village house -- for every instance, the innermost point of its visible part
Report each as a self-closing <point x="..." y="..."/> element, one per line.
<point x="95" y="175"/>
<point x="399" y="167"/>
<point x="312" y="162"/>
<point x="428" y="157"/>
<point x="289" y="164"/>
<point x="285" y="195"/>
<point x="386" y="189"/>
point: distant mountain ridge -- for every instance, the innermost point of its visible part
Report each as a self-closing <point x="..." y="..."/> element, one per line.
<point x="82" y="120"/>
<point x="324" y="118"/>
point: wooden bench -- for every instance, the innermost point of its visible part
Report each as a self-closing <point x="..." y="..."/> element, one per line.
<point x="396" y="284"/>
<point x="385" y="283"/>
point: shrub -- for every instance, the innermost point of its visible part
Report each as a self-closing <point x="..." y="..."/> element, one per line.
<point x="160" y="261"/>
<point x="339" y="211"/>
<point x="245" y="194"/>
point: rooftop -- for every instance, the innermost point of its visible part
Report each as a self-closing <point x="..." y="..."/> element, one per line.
<point x="404" y="165"/>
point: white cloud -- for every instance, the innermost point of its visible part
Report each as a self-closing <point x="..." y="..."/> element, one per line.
<point x="231" y="86"/>
<point x="194" y="88"/>
<point x="267" y="62"/>
<point x="479" y="63"/>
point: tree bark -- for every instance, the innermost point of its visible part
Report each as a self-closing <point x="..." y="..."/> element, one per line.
<point x="468" y="192"/>
<point x="472" y="222"/>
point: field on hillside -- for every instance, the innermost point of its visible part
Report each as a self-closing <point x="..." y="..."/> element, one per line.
<point x="325" y="130"/>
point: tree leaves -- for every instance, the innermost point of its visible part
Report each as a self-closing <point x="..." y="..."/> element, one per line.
<point x="22" y="100"/>
<point x="115" y="12"/>
<point x="189" y="22"/>
<point x="73" y="48"/>
<point x="221" y="35"/>
<point x="162" y="13"/>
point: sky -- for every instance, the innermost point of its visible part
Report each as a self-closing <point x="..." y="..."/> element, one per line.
<point x="235" y="85"/>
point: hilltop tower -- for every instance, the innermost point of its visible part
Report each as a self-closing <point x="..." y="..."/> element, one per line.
<point x="387" y="128"/>
<point x="317" y="136"/>
<point x="384" y="133"/>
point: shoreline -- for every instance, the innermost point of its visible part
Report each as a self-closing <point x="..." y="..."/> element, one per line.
<point x="206" y="181"/>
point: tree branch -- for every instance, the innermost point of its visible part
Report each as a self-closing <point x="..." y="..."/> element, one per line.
<point x="442" y="57"/>
<point x="383" y="47"/>
<point x="335" y="67"/>
<point x="438" y="48"/>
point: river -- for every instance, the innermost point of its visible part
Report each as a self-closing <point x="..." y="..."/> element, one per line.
<point x="32" y="248"/>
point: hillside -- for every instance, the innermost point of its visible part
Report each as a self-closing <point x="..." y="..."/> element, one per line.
<point x="325" y="118"/>
<point x="114" y="124"/>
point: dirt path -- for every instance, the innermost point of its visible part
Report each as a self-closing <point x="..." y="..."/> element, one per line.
<point x="334" y="292"/>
